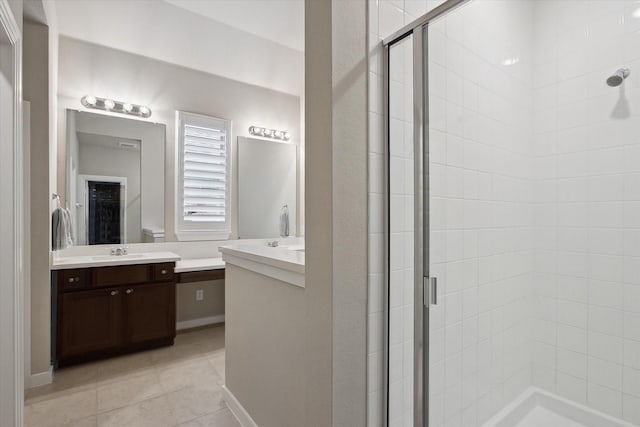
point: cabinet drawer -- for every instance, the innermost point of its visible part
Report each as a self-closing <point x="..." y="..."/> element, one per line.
<point x="163" y="272"/>
<point x="121" y="275"/>
<point x="74" y="279"/>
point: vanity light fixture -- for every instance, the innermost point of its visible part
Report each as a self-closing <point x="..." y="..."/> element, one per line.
<point x="121" y="107"/>
<point x="269" y="133"/>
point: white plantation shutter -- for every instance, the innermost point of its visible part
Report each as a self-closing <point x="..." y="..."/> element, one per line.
<point x="204" y="155"/>
<point x="205" y="174"/>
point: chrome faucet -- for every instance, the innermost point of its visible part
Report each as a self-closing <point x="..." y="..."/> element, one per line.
<point x="119" y="251"/>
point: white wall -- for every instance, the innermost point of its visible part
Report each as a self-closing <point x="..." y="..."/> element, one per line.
<point x="587" y="228"/>
<point x="264" y="369"/>
<point x="36" y="90"/>
<point x="91" y="69"/>
<point x="11" y="216"/>
<point x="336" y="254"/>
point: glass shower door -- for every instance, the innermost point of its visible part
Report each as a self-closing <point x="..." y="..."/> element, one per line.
<point x="478" y="130"/>
<point x="401" y="233"/>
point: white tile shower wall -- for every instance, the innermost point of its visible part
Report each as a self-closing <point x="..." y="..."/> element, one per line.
<point x="587" y="203"/>
<point x="585" y="216"/>
<point x="481" y="195"/>
<point x="481" y="205"/>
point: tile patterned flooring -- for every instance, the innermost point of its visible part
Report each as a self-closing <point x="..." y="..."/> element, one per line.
<point x="172" y="386"/>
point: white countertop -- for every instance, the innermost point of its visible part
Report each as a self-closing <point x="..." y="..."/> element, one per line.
<point x="88" y="261"/>
<point x="285" y="263"/>
<point x="199" y="264"/>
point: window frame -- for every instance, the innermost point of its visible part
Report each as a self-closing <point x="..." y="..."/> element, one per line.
<point x="202" y="230"/>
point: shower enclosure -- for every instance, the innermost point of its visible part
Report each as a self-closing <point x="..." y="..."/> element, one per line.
<point x="513" y="215"/>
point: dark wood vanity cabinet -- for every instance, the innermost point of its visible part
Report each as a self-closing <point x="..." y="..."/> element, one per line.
<point x="113" y="310"/>
<point x="150" y="312"/>
<point x="89" y="322"/>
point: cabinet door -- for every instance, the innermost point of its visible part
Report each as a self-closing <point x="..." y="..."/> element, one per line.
<point x="150" y="312"/>
<point x="89" y="321"/>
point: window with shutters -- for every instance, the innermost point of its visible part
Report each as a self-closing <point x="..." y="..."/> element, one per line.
<point x="203" y="207"/>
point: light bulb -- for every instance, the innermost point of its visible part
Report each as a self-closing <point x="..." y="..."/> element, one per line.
<point x="286" y="135"/>
<point x="268" y="132"/>
<point x="277" y="134"/>
<point x="511" y="61"/>
<point x="144" y="110"/>
<point x="90" y="100"/>
<point x="127" y="107"/>
<point x="109" y="104"/>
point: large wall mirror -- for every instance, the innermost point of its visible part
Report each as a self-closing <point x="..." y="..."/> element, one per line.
<point x="114" y="179"/>
<point x="267" y="188"/>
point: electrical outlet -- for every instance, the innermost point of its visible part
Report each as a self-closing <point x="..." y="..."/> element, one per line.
<point x="199" y="295"/>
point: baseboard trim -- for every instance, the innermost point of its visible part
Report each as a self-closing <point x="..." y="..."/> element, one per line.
<point x="237" y="409"/>
<point x="203" y="321"/>
<point x="42" y="378"/>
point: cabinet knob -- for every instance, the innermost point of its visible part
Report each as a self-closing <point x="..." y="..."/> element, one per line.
<point x="114" y="293"/>
<point x="163" y="271"/>
<point x="71" y="279"/>
<point x="129" y="291"/>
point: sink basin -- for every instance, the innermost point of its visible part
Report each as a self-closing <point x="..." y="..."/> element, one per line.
<point x="116" y="257"/>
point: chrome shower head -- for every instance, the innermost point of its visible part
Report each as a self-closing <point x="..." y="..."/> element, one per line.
<point x="618" y="77"/>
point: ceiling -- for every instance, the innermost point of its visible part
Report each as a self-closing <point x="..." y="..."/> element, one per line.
<point x="281" y="21"/>
<point x="244" y="40"/>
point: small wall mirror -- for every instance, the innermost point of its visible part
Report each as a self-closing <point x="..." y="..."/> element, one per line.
<point x="267" y="182"/>
<point x="115" y="179"/>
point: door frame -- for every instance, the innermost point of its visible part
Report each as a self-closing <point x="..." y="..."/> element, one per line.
<point x="11" y="211"/>
<point x="424" y="285"/>
<point x="84" y="180"/>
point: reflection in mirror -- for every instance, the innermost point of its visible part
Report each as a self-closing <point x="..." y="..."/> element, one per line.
<point x="115" y="179"/>
<point x="267" y="188"/>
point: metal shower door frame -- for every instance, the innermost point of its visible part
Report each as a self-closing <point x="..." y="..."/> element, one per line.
<point x="424" y="285"/>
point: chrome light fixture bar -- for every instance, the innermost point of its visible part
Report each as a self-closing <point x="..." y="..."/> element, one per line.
<point x="121" y="107"/>
<point x="269" y="133"/>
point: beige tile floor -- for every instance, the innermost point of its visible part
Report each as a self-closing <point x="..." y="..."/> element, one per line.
<point x="171" y="386"/>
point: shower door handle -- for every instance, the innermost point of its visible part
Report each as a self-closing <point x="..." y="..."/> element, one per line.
<point x="430" y="291"/>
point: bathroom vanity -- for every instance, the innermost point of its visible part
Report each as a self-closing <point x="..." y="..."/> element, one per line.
<point x="100" y="309"/>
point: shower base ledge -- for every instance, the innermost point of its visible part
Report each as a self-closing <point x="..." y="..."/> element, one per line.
<point x="533" y="401"/>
